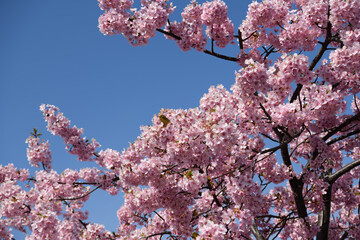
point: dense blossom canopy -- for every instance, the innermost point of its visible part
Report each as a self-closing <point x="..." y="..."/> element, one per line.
<point x="275" y="156"/>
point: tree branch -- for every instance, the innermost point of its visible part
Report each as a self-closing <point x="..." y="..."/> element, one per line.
<point x="333" y="177"/>
<point x="344" y="236"/>
<point x="334" y="131"/>
<point x="295" y="183"/>
<point x="241" y="44"/>
<point x="212" y="53"/>
<point x="343" y="137"/>
<point x="324" y="46"/>
<point x="233" y="59"/>
<point x="255" y="231"/>
<point x="76" y="198"/>
<point x="169" y="34"/>
<point x="341" y="126"/>
<point x="325" y="215"/>
<point x="156" y="234"/>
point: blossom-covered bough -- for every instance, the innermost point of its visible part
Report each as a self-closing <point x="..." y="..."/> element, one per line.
<point x="211" y="172"/>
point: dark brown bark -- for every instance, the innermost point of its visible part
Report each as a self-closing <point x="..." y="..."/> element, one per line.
<point x="326" y="213"/>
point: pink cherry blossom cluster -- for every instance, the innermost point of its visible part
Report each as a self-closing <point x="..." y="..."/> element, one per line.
<point x="211" y="230"/>
<point x="10" y="173"/>
<point x="75" y="144"/>
<point x="276" y="156"/>
<point x="222" y="33"/>
<point x="51" y="207"/>
<point x="294" y="67"/>
<point x="138" y="26"/>
<point x="349" y="38"/>
<point x="345" y="14"/>
<point x="219" y="27"/>
<point x="346" y="59"/>
<point x="253" y="54"/>
<point x="315" y="11"/>
<point x="267" y="14"/>
<point x="251" y="79"/>
<point x="115" y="4"/>
<point x="199" y="165"/>
<point x="214" y="12"/>
<point x="298" y="35"/>
<point x="95" y="231"/>
<point x="324" y="105"/>
<point x="288" y="25"/>
<point x="297" y="25"/>
<point x="190" y="30"/>
<point x="342" y="69"/>
<point x="263" y="16"/>
<point x="38" y="152"/>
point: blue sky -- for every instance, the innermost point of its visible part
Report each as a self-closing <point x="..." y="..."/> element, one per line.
<point x="53" y="53"/>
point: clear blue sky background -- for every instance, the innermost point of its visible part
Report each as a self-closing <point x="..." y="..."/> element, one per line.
<point x="52" y="52"/>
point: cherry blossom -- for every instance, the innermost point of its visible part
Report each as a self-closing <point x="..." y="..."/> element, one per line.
<point x="275" y="156"/>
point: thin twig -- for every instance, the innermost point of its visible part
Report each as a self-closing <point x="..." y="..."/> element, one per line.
<point x="328" y="40"/>
<point x="76" y="198"/>
<point x="232" y="59"/>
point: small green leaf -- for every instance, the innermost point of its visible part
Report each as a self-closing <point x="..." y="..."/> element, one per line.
<point x="189" y="174"/>
<point x="164" y="120"/>
<point x="194" y="235"/>
<point x="35" y="133"/>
